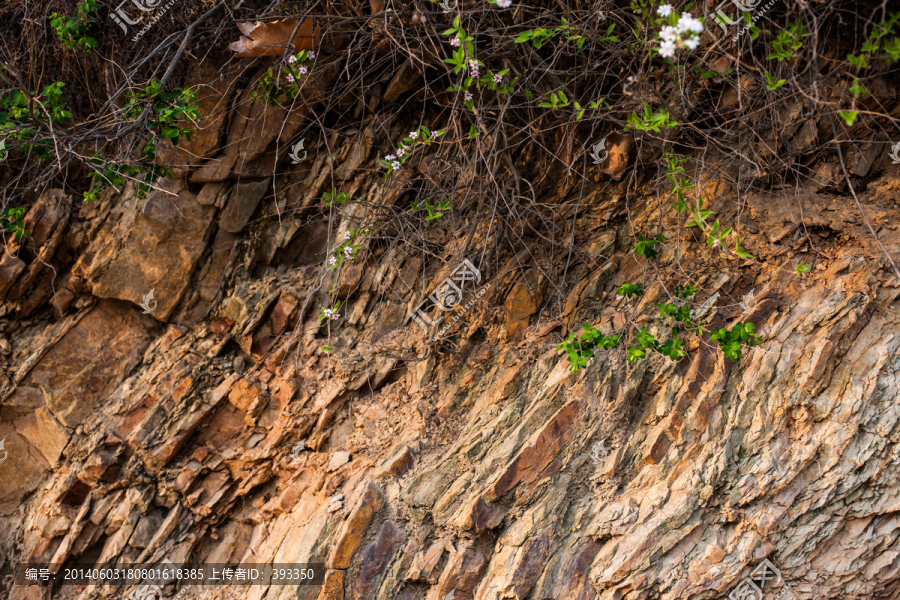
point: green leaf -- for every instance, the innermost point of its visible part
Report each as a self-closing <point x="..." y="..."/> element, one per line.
<point x="849" y="116"/>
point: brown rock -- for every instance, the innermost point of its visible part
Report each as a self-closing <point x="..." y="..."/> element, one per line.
<point x="375" y="560"/>
<point x="354" y="528"/>
<point x="213" y="100"/>
<point x="10" y="269"/>
<point x="524" y="300"/>
<point x="160" y="253"/>
<point x="396" y="465"/>
<point x="89" y="361"/>
<point x="242" y="203"/>
<point x="23" y="460"/>
<point x="540" y="451"/>
<point x="333" y="586"/>
<point x="96" y="466"/>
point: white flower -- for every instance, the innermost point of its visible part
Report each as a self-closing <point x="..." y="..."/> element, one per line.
<point x="413" y="135"/>
<point x="395" y="165"/>
<point x="664" y="10"/>
<point x="504" y="3"/>
<point x="346" y="235"/>
<point x="348" y="252"/>
<point x="389" y="157"/>
<point x="303" y="70"/>
<point x="292" y="59"/>
<point x="455" y="42"/>
<point x="692" y="43"/>
<point x="327" y="312"/>
<point x="311" y="54"/>
<point x="332" y="260"/>
<point x="667" y="49"/>
<point x="290" y="78"/>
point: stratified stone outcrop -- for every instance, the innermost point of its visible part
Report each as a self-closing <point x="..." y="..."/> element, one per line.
<point x="214" y="428"/>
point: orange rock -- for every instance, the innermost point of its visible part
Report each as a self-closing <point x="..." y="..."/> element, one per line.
<point x="354" y="529"/>
<point x="333" y="586"/>
<point x="540" y="452"/>
<point x="396" y="465"/>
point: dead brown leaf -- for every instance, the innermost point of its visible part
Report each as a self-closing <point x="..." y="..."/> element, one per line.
<point x="272" y="39"/>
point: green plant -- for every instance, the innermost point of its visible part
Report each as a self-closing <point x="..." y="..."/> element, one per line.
<point x="878" y="41"/>
<point x="328" y="198"/>
<point x="629" y="289"/>
<point x="73" y="30"/>
<point x="540" y="36"/>
<point x="13" y="221"/>
<point x="645" y="246"/>
<point x="579" y="350"/>
<point x="715" y="235"/>
<point x="281" y="84"/>
<point x="593" y="105"/>
<point x="420" y="137"/>
<point x="557" y="100"/>
<point x="167" y="108"/>
<point x="802" y="268"/>
<point x="18" y="122"/>
<point x="106" y="173"/>
<point x="788" y="41"/>
<point x="465" y="54"/>
<point x="730" y="341"/>
<point x="773" y="84"/>
<point x="651" y="121"/>
<point x="432" y="213"/>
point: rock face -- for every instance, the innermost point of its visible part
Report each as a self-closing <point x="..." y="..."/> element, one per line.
<point x="214" y="428"/>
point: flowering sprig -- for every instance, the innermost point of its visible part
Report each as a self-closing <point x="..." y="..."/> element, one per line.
<point x="347" y="250"/>
<point x="282" y="86"/>
<point x="464" y="59"/>
<point x="420" y="137"/>
<point x="682" y="31"/>
<point x="463" y="51"/>
<point x="330" y="313"/>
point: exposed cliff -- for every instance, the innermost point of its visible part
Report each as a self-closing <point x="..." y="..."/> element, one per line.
<point x="173" y="389"/>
